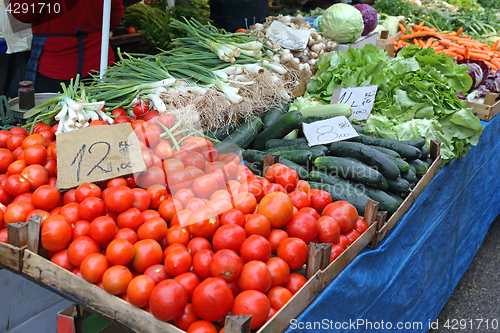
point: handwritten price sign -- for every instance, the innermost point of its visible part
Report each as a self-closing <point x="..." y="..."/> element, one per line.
<point x="96" y="154"/>
<point x="289" y="38"/>
<point x="328" y="131"/>
<point x="361" y="100"/>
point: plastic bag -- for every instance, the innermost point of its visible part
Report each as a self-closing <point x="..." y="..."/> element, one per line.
<point x="17" y="34"/>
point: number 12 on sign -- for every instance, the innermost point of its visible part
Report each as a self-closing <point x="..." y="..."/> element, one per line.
<point x="328" y="131"/>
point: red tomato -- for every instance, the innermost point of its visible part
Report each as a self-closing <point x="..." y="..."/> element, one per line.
<point x="139" y="290"/>
<point x="102" y="229"/>
<point x="205" y="186"/>
<point x="329" y="230"/>
<point x="352" y="234"/>
<point x="279" y="296"/>
<point x="116" y="279"/>
<point x="254" y="303"/>
<point x="277" y="207"/>
<point x="157" y="273"/>
<point x="119" y="112"/>
<point x="189" y="281"/>
<point x="168" y="208"/>
<point x="35" y="155"/>
<point x="120" y="252"/>
<point x="130" y="218"/>
<point x="147" y="253"/>
<point x="203" y="222"/>
<point x="80" y="248"/>
<point x="4" y="136"/>
<point x="295" y="282"/>
<point x="168" y="300"/>
<point x="270" y="188"/>
<point x="93" y="267"/>
<point x="288" y="178"/>
<point x="16" y="167"/>
<point x="255" y="276"/>
<point x="294" y="251"/>
<point x="131" y="30"/>
<point x="230" y="237"/>
<point x="254" y="187"/>
<point x="243" y="31"/>
<point x="127" y="234"/>
<point x="303" y="186"/>
<point x="6" y="159"/>
<point x="303" y="226"/>
<point x="233" y="216"/>
<point x="361" y="226"/>
<point x="36" y="175"/>
<point x="61" y="259"/>
<point x="202" y="326"/>
<point x="16" y="185"/>
<point x="344" y="242"/>
<point x="140" y="109"/>
<point x="155" y="228"/>
<point x="188" y="317"/>
<point x="299" y="199"/>
<point x="142" y="199"/>
<point x="255" y="248"/>
<point x="47" y="197"/>
<point x="201" y="263"/>
<point x="184" y="195"/>
<point x="51" y="166"/>
<point x="344" y="213"/>
<point x="197" y="244"/>
<point x="15" y="141"/>
<point x="69" y="196"/>
<point x="56" y="233"/>
<point x="177" y="262"/>
<point x="211" y="289"/>
<point x="311" y="211"/>
<point x="119" y="199"/>
<point x="91" y="208"/>
<point x="273" y="170"/>
<point x="319" y="199"/>
<point x="258" y="224"/>
<point x="226" y="264"/>
<point x="3" y="235"/>
<point x="119" y="181"/>
<point x="336" y="251"/>
<point x="275" y="237"/>
<point x="122" y="120"/>
<point x="178" y="234"/>
<point x="150" y="116"/>
<point x="280" y="272"/>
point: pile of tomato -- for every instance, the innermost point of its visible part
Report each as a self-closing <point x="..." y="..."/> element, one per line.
<point x="194" y="239"/>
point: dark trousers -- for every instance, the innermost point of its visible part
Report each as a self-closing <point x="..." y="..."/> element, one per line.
<point x="44" y="84"/>
<point x="12" y="70"/>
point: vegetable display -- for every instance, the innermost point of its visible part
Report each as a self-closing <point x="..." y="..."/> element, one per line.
<point x="369" y="18"/>
<point x="342" y="23"/>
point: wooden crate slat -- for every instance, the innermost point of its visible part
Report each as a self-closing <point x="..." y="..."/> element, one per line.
<point x="11" y="257"/>
<point x="488" y="109"/>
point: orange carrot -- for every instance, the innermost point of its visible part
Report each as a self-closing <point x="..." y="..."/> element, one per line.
<point x="402" y="28"/>
<point x="421" y="24"/>
<point x="478" y="56"/>
<point x="429" y="43"/>
<point x="439" y="48"/>
<point x="495" y="61"/>
<point x="466" y="53"/>
<point x="416" y="34"/>
<point x="420" y="42"/>
<point x="446" y="43"/>
<point x="415" y="41"/>
<point x="459" y="31"/>
<point x="460" y="57"/>
<point x="494" y="47"/>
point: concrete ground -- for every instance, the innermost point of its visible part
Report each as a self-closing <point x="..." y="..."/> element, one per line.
<point x="477" y="295"/>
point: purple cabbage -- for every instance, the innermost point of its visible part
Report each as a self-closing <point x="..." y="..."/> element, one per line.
<point x="492" y="83"/>
<point x="476" y="73"/>
<point x="369" y="17"/>
<point x="479" y="79"/>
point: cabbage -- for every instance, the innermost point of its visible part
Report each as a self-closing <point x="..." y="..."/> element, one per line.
<point x="391" y="24"/>
<point x="342" y="23"/>
<point x="370" y="18"/>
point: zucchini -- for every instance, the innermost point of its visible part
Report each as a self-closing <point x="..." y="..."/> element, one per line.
<point x="246" y="132"/>
<point x="367" y="155"/>
<point x="410" y="176"/>
<point x="256" y="168"/>
<point x="420" y="167"/>
<point x="404" y="150"/>
<point x="345" y="168"/>
<point x="228" y="147"/>
<point x="275" y="143"/>
<point x="396" y="197"/>
<point x="418" y="143"/>
<point x="386" y="151"/>
<point x="399" y="185"/>
<point x="284" y="125"/>
<point x="251" y="155"/>
<point x="412" y="168"/>
<point x="402" y="165"/>
<point x="300" y="147"/>
<point x="297" y="156"/>
<point x="327" y="110"/>
<point x="429" y="161"/>
<point x="385" y="201"/>
<point x="358" y="128"/>
<point x="425" y="153"/>
<point x="273" y="115"/>
<point x="222" y="132"/>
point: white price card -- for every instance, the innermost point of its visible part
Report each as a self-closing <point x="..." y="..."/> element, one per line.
<point x="328" y="131"/>
<point x="361" y="100"/>
<point x="289" y="38"/>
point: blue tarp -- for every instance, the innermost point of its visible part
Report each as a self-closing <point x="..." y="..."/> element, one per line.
<point x="410" y="276"/>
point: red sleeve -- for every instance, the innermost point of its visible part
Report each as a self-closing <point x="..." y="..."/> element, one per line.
<point x="25" y="16"/>
<point x="116" y="13"/>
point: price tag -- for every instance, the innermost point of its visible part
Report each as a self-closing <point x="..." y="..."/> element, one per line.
<point x="328" y="131"/>
<point x="96" y="154"/>
<point x="289" y="38"/>
<point x="361" y="100"/>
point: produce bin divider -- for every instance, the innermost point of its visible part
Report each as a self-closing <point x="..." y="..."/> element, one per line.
<point x="488" y="110"/>
<point x="268" y="161"/>
<point x="380" y="219"/>
<point x="435" y="152"/>
<point x="238" y="324"/>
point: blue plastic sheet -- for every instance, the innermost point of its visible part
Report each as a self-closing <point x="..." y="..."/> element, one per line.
<point x="405" y="282"/>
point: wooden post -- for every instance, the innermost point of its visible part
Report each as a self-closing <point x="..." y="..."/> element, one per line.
<point x="34" y="233"/>
<point x="314" y="259"/>
<point x="370" y="212"/>
<point x="326" y="254"/>
<point x="384" y="34"/>
<point x="490" y="99"/>
<point x="237" y="324"/>
<point x="17" y="234"/>
<point x="381" y="218"/>
<point x="268" y="161"/>
<point x="435" y="149"/>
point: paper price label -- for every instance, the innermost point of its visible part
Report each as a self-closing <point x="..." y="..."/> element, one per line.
<point x="361" y="100"/>
<point x="289" y="38"/>
<point x="328" y="131"/>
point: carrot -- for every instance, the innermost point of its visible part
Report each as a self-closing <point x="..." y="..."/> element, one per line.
<point x="446" y="43"/>
<point x="466" y="53"/>
<point x="415" y="41"/>
<point x="420" y="42"/>
<point x="435" y="44"/>
<point x="495" y="68"/>
<point x="416" y="34"/>
<point x="494" y="47"/>
<point x="495" y="62"/>
<point x="439" y="48"/>
<point x="479" y="56"/>
<point x="421" y="24"/>
<point x="457" y="50"/>
<point x="459" y="31"/>
<point x="451" y="54"/>
<point x="417" y="28"/>
<point x="460" y="57"/>
<point x="429" y="43"/>
<point x="402" y="28"/>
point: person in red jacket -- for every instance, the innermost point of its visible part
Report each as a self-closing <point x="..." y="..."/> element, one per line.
<point x="66" y="39"/>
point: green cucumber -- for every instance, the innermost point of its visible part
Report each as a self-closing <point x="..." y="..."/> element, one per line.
<point x="396" y="197"/>
<point x="246" y="132"/>
<point x="222" y="132"/>
<point x="386" y="151"/>
<point x="256" y="168"/>
<point x="251" y="155"/>
<point x="358" y="128"/>
<point x="399" y="185"/>
<point x="327" y="110"/>
<point x="412" y="168"/>
<point x="410" y="176"/>
<point x="345" y="168"/>
<point x="297" y="156"/>
<point x="273" y="115"/>
<point x="418" y="143"/>
<point x="429" y="161"/>
<point x="367" y="155"/>
<point x="284" y="125"/>
<point x="404" y="150"/>
<point x="402" y="165"/>
<point x="420" y="167"/>
<point x="275" y="143"/>
<point x="228" y="147"/>
<point x="385" y="201"/>
<point x="292" y="135"/>
<point x="300" y="147"/>
<point x="425" y="153"/>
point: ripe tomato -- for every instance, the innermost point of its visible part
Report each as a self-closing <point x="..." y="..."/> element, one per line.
<point x="15" y="141"/>
<point x="202" y="326"/>
<point x="299" y="199"/>
<point x="119" y="181"/>
<point x="203" y="222"/>
<point x="171" y="165"/>
<point x="205" y="186"/>
<point x="47" y="197"/>
<point x="147" y="253"/>
<point x="258" y="224"/>
<point x="35" y="155"/>
<point x="336" y="251"/>
<point x="344" y="213"/>
<point x="319" y="199"/>
<point x="102" y="229"/>
<point x="233" y="216"/>
<point x="344" y="242"/>
<point x="142" y="200"/>
<point x="178" y="179"/>
<point x="116" y="279"/>
<point x="189" y="281"/>
<point x="155" y="228"/>
<point x="295" y="282"/>
<point x="91" y="208"/>
<point x="168" y="300"/>
<point x="270" y="188"/>
<point x="361" y="226"/>
<point x="311" y="211"/>
<point x="16" y="185"/>
<point x="201" y="263"/>
<point x="140" y="109"/>
<point x="157" y="273"/>
<point x="329" y="230"/>
<point x="6" y="159"/>
<point x="4" y="136"/>
<point x="127" y="234"/>
<point x="36" y="175"/>
<point x="181" y="218"/>
<point x="303" y="186"/>
<point x="279" y="296"/>
<point x="51" y="166"/>
<point x="277" y="207"/>
<point x="196" y="203"/>
<point x="120" y="252"/>
<point x="352" y="234"/>
<point x="254" y="303"/>
<point x="254" y="187"/>
<point x="93" y="267"/>
<point x="24" y="197"/>
<point x="61" y="259"/>
<point x="255" y="247"/>
<point x="168" y="208"/>
<point x="275" y="237"/>
<point x="197" y="244"/>
<point x="255" y="276"/>
<point x="69" y="197"/>
<point x="177" y="262"/>
<point x="230" y="236"/>
<point x="204" y="295"/>
<point x="119" y="199"/>
<point x="80" y="248"/>
<point x="119" y="112"/>
<point x="178" y="234"/>
<point x="56" y="233"/>
<point x="293" y="251"/>
<point x="273" y="170"/>
<point x="130" y="218"/>
<point x="80" y="229"/>
<point x="16" y="167"/>
<point x="303" y="226"/>
<point x="288" y="178"/>
<point x="188" y="317"/>
<point x="139" y="290"/>
<point x="184" y="195"/>
<point x="210" y="154"/>
<point x="245" y="202"/>
<point x="194" y="159"/>
<point x="280" y="272"/>
<point x="226" y="264"/>
<point x="35" y="212"/>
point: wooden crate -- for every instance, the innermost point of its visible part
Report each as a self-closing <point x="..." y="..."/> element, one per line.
<point x="488" y="110"/>
<point x="387" y="44"/>
<point x="11" y="254"/>
<point x="410" y="199"/>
